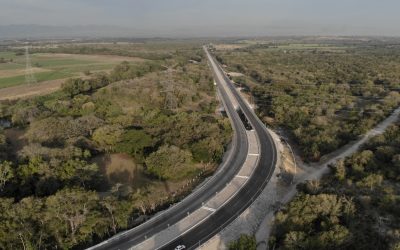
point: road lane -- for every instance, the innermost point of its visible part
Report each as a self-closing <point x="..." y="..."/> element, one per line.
<point x="224" y="175"/>
<point x="257" y="182"/>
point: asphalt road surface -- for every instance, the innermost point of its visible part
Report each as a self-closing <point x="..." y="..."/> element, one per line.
<point x="257" y="182"/>
<point x="223" y="216"/>
<point x="225" y="174"/>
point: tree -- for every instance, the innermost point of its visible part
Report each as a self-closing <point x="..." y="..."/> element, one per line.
<point x="340" y="170"/>
<point x="9" y="228"/>
<point x="334" y="238"/>
<point x="359" y="160"/>
<point x="385" y="153"/>
<point x="6" y="173"/>
<point x="75" y="86"/>
<point x="245" y="242"/>
<point x="24" y="115"/>
<point x="396" y="164"/>
<point x="309" y="218"/>
<point x="371" y="181"/>
<point x="169" y="162"/>
<point x="78" y="170"/>
<point x="134" y="142"/>
<point x="208" y="150"/>
<point x="108" y="136"/>
<point x="118" y="212"/>
<point x="3" y="145"/>
<point x="29" y="216"/>
<point x="2" y="139"/>
<point x="72" y="216"/>
<point x="56" y="129"/>
<point x="295" y="240"/>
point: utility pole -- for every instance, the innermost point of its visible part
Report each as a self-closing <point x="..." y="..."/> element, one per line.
<point x="29" y="75"/>
<point x="171" y="101"/>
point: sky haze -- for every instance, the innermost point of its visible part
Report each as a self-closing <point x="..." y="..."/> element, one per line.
<point x="213" y="17"/>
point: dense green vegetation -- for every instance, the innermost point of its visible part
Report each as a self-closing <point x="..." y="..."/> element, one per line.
<point x="53" y="194"/>
<point x="322" y="95"/>
<point x="355" y="207"/>
<point x="245" y="242"/>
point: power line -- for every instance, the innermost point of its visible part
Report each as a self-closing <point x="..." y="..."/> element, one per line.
<point x="171" y="101"/>
<point x="29" y="74"/>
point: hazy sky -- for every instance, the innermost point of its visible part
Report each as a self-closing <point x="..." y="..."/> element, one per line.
<point x="214" y="17"/>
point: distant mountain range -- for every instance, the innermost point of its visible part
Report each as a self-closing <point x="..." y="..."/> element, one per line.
<point x="33" y="32"/>
<point x="48" y="31"/>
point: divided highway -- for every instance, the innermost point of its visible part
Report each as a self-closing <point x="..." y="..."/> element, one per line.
<point x="252" y="189"/>
<point x="214" y="219"/>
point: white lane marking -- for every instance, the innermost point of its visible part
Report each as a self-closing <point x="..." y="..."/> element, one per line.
<point x="226" y="201"/>
<point x="242" y="176"/>
<point x="209" y="208"/>
<point x="254" y="154"/>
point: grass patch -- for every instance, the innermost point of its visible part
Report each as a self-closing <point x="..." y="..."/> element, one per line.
<point x="40" y="77"/>
<point x="50" y="63"/>
<point x="7" y="55"/>
<point x="83" y="67"/>
<point x="11" y="66"/>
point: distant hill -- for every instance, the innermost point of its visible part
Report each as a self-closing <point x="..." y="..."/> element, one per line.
<point x="48" y="31"/>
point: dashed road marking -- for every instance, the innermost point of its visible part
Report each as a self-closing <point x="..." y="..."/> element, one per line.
<point x="209" y="209"/>
<point x="242" y="176"/>
<point x="254" y="154"/>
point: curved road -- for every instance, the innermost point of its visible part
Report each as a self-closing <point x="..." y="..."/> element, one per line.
<point x="216" y="183"/>
<point x="257" y="182"/>
<point x="226" y="214"/>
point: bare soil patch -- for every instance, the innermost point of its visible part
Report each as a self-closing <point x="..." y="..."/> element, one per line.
<point x="17" y="72"/>
<point x="235" y="74"/>
<point x="22" y="91"/>
<point x="118" y="168"/>
<point x="121" y="169"/>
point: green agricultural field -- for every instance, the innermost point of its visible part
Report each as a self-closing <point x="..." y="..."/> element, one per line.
<point x="7" y="55"/>
<point x="10" y="66"/>
<point x="54" y="66"/>
<point x="40" y="77"/>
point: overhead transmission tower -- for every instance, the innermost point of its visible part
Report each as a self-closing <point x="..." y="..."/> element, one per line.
<point x="171" y="101"/>
<point x="29" y="74"/>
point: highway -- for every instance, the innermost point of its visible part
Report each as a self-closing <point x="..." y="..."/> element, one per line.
<point x="259" y="179"/>
<point x="216" y="220"/>
<point x="216" y="183"/>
